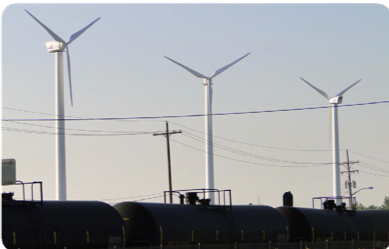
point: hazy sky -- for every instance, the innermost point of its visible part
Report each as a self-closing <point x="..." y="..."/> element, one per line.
<point x="119" y="70"/>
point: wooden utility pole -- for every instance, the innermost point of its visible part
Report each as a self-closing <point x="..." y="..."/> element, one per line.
<point x="167" y="135"/>
<point x="349" y="171"/>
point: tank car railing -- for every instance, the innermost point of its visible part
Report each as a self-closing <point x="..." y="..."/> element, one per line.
<point x="204" y="191"/>
<point x="23" y="184"/>
<point x="329" y="203"/>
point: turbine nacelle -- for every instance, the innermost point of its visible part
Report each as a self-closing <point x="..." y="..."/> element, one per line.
<point x="55" y="46"/>
<point x="336" y="100"/>
<point x="207" y="81"/>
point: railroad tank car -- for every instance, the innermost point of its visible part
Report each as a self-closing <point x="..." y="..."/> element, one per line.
<point x="315" y="225"/>
<point x="61" y="224"/>
<point x="177" y="224"/>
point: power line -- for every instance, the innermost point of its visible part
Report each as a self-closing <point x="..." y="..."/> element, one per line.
<point x="41" y="113"/>
<point x="193" y="115"/>
<point x="143" y="199"/>
<point x="132" y="197"/>
<point x="372" y="173"/>
<point x="246" y="153"/>
<point x="84" y="130"/>
<point x="121" y="133"/>
<point x="73" y="134"/>
<point x="248" y="162"/>
<point x="369" y="157"/>
<point x="374" y="168"/>
<point x="194" y="137"/>
<point x="67" y="116"/>
<point x="145" y="132"/>
<point x="250" y="144"/>
<point x="269" y="165"/>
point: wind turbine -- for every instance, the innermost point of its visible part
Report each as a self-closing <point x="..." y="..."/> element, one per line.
<point x="334" y="101"/>
<point x="209" y="171"/>
<point x="58" y="47"/>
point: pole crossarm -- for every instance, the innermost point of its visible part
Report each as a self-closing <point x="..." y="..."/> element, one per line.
<point x="167" y="133"/>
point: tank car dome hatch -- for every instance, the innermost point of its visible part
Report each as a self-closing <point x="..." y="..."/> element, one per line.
<point x="7" y="196"/>
<point x="287" y="199"/>
<point x="191" y="198"/>
<point x="8" y="171"/>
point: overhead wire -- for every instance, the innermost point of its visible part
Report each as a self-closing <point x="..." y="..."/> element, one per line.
<point x="248" y="162"/>
<point x="69" y="129"/>
<point x="369" y="166"/>
<point x="155" y="197"/>
<point x="368" y="156"/>
<point x="66" y="116"/>
<point x="131" y="197"/>
<point x="80" y="118"/>
<point x="253" y="155"/>
<point x="72" y="134"/>
<point x="194" y="115"/>
<point x="250" y="144"/>
<point x="107" y="133"/>
<point x="372" y="167"/>
<point x="372" y="173"/>
<point x="194" y="137"/>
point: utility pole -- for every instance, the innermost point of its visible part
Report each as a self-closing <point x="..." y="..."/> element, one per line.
<point x="349" y="171"/>
<point x="167" y="135"/>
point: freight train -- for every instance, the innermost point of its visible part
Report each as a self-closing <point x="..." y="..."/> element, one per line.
<point x="94" y="224"/>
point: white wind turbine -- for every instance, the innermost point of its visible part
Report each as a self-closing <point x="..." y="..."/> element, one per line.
<point x="209" y="171"/>
<point x="334" y="101"/>
<point x="58" y="47"/>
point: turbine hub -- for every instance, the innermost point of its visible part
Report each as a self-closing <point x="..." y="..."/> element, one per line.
<point x="54" y="46"/>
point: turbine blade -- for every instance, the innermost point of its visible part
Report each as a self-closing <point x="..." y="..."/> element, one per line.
<point x="219" y="71"/>
<point x="317" y="89"/>
<point x="345" y="90"/>
<point x="77" y="34"/>
<point x="54" y="35"/>
<point x="69" y="75"/>
<point x="197" y="74"/>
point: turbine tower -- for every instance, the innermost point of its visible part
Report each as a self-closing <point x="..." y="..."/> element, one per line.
<point x="209" y="172"/>
<point x="334" y="101"/>
<point x="58" y="47"/>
